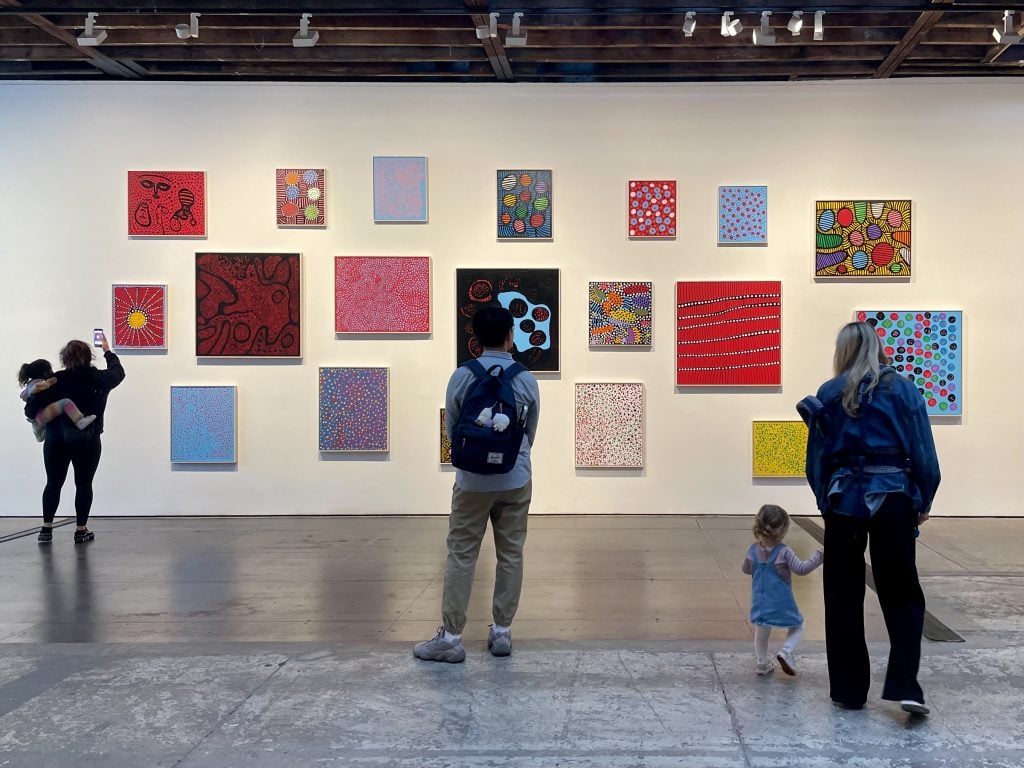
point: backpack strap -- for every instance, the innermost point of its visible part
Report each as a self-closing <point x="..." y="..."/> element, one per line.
<point x="476" y="367"/>
<point x="514" y="370"/>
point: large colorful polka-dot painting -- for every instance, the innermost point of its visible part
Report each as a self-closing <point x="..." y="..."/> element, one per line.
<point x="353" y="409"/>
<point x="927" y="348"/>
<point x="620" y="314"/>
<point x="862" y="239"/>
<point x="610" y="425"/>
<point x="524" y="205"/>
<point x="140" y="317"/>
<point x="301" y="197"/>
<point x="743" y="215"/>
<point x="652" y="210"/>
<point x="779" y="448"/>
<point x="203" y="425"/>
<point x="382" y="294"/>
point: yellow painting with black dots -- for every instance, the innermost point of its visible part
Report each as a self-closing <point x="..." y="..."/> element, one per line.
<point x="780" y="448"/>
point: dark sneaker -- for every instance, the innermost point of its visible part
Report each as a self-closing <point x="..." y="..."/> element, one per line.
<point x="83" y="536"/>
<point x="853" y="706"/>
<point x="499" y="643"/>
<point x="45" y="535"/>
<point x="439" y="649"/>
<point x="914" y="707"/>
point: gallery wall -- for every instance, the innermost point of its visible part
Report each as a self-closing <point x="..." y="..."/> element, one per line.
<point x="950" y="147"/>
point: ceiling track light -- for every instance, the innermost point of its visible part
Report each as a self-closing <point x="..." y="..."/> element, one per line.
<point x="91" y="36"/>
<point x="516" y="37"/>
<point x="190" y="30"/>
<point x="764" y="35"/>
<point x="490" y="29"/>
<point x="730" y="26"/>
<point x="689" y="23"/>
<point x="305" y="37"/>
<point x="796" y="23"/>
<point x="1007" y="35"/>
<point x="819" y="25"/>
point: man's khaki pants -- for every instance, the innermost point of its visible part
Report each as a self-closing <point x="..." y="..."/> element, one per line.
<point x="507" y="511"/>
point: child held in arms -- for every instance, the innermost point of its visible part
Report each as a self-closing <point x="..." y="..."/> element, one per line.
<point x="36" y="377"/>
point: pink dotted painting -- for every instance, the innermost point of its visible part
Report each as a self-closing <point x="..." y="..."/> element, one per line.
<point x="743" y="215"/>
<point x="382" y="294"/>
<point x="610" y="426"/>
<point x="652" y="210"/>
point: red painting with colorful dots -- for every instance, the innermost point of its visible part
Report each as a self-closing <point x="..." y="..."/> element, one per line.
<point x="166" y="204"/>
<point x="382" y="294"/>
<point x="652" y="210"/>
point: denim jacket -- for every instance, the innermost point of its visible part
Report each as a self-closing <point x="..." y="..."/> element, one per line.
<point x="854" y="463"/>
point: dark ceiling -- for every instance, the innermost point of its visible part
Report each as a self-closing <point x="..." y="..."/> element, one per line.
<point x="566" y="41"/>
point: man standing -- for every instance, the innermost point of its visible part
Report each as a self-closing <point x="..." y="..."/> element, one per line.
<point x="502" y="498"/>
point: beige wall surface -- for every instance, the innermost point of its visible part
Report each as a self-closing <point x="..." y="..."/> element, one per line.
<point x="952" y="147"/>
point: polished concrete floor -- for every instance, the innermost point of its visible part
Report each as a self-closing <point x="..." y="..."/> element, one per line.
<point x="282" y="642"/>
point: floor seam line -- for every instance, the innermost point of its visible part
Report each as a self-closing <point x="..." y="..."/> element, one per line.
<point x="733" y="717"/>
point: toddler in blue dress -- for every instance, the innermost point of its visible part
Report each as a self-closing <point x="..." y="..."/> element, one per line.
<point x="772" y="604"/>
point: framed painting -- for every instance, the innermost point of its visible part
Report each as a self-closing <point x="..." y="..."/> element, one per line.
<point x="353" y="410"/>
<point x="651" y="213"/>
<point x="382" y="294"/>
<point x="779" y="448"/>
<point x="621" y="313"/>
<point x="203" y="425"/>
<point x="400" y="189"/>
<point x="248" y="305"/>
<point x="729" y="333"/>
<point x="743" y="215"/>
<point x="862" y="238"/>
<point x="301" y="197"/>
<point x="531" y="295"/>
<point x="445" y="444"/>
<point x="524" y="205"/>
<point x="609" y="426"/>
<point x="166" y="203"/>
<point x="139" y="315"/>
<point x="926" y="347"/>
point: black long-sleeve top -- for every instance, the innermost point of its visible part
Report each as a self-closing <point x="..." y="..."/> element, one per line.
<point x="86" y="387"/>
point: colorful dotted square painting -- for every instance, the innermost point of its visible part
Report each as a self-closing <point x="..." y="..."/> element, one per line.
<point x="382" y="294"/>
<point x="926" y="347"/>
<point x="166" y="203"/>
<point x="446" y="444"/>
<point x="652" y="210"/>
<point x="621" y="313"/>
<point x="400" y="189"/>
<point x="248" y="305"/>
<point x="729" y="333"/>
<point x="301" y="198"/>
<point x="353" y="409"/>
<point x="743" y="215"/>
<point x="779" y="448"/>
<point x="610" y="426"/>
<point x="524" y="205"/>
<point x="139" y="317"/>
<point x="862" y="238"/>
<point x="203" y="428"/>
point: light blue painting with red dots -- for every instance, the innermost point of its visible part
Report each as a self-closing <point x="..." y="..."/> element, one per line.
<point x="400" y="189"/>
<point x="203" y="425"/>
<point x="926" y="347"/>
<point x="743" y="215"/>
<point x="353" y="409"/>
<point x="524" y="205"/>
<point x="652" y="210"/>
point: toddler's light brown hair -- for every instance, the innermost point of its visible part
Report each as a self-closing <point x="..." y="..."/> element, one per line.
<point x="771" y="523"/>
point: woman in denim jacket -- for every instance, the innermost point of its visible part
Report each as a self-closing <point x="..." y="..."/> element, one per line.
<point x="872" y="466"/>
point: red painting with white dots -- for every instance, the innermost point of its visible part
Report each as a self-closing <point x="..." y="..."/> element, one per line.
<point x="382" y="294"/>
<point x="139" y="317"/>
<point x="652" y="210"/>
<point x="166" y="204"/>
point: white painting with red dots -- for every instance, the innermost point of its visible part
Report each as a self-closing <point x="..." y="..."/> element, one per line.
<point x="610" y="426"/>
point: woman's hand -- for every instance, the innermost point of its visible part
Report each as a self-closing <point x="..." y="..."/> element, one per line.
<point x="105" y="344"/>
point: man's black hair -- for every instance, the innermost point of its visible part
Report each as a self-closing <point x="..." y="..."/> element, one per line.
<point x="491" y="325"/>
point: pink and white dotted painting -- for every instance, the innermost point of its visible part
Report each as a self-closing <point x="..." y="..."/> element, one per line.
<point x="400" y="189"/>
<point x="743" y="215"/>
<point x="652" y="210"/>
<point x="382" y="294"/>
<point x="610" y="426"/>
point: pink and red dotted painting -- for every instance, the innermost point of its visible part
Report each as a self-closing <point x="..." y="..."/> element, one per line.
<point x="743" y="215"/>
<point x="382" y="294"/>
<point x="652" y="210"/>
<point x="862" y="238"/>
<point x="166" y="204"/>
<point x="926" y="347"/>
<point x="610" y="425"/>
<point x="301" y="198"/>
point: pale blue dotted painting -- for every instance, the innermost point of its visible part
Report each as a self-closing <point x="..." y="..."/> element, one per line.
<point x="203" y="425"/>
<point x="400" y="189"/>
<point x="353" y="409"/>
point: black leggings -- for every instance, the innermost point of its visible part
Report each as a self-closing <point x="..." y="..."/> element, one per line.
<point x="57" y="457"/>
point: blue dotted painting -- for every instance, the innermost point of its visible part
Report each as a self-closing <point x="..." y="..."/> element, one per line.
<point x="353" y="409"/>
<point x="743" y="215"/>
<point x="203" y="425"/>
<point x="400" y="189"/>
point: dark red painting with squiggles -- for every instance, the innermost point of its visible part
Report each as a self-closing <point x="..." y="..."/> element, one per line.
<point x="166" y="204"/>
<point x="247" y="305"/>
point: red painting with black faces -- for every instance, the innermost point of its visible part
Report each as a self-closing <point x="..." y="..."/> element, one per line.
<point x="247" y="305"/>
<point x="166" y="204"/>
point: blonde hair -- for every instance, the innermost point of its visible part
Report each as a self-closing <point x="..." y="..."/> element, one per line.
<point x="771" y="523"/>
<point x="858" y="355"/>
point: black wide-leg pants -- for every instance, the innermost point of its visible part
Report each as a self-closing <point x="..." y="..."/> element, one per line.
<point x="890" y="536"/>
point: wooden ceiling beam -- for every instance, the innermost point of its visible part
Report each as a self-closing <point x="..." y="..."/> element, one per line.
<point x="914" y="35"/>
<point x="492" y="45"/>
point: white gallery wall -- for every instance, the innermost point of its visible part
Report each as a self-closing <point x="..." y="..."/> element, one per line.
<point x="952" y="147"/>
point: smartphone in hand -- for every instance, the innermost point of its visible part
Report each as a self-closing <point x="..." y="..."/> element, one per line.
<point x="97" y="337"/>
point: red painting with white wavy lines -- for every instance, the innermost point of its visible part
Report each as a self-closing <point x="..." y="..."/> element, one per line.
<point x="729" y="333"/>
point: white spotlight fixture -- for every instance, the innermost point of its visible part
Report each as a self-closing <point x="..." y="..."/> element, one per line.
<point x="819" y="25"/>
<point x="689" y="23"/>
<point x="764" y="35"/>
<point x="91" y="36"/>
<point x="516" y="37"/>
<point x="796" y="23"/>
<point x="185" y="31"/>
<point x="490" y="29"/>
<point x="1005" y="36"/>
<point x="305" y="37"/>
<point x="730" y="26"/>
